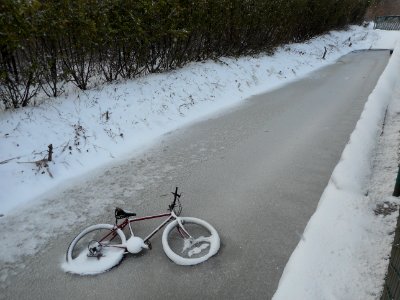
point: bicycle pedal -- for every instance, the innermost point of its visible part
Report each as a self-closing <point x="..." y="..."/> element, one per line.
<point x="98" y="255"/>
<point x="149" y="245"/>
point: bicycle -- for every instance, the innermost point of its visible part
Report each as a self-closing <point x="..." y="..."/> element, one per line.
<point x="185" y="240"/>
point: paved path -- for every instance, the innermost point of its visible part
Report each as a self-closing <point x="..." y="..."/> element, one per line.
<point x="255" y="172"/>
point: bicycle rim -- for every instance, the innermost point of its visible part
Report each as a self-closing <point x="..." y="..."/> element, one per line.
<point x="194" y="243"/>
<point x="109" y="252"/>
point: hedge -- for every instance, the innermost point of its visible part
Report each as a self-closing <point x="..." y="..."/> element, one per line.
<point x="44" y="44"/>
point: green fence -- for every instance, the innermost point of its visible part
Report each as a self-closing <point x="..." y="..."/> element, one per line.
<point x="391" y="289"/>
<point x="392" y="283"/>
<point x="387" y="23"/>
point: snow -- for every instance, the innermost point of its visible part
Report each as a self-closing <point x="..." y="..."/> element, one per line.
<point x="135" y="244"/>
<point x="89" y="129"/>
<point x="84" y="265"/>
<point x="345" y="246"/>
<point x="196" y="250"/>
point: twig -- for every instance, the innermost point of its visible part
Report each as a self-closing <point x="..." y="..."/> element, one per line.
<point x="48" y="171"/>
<point x="43" y="163"/>
<point x="384" y="120"/>
<point x="10" y="159"/>
<point x="50" y="155"/>
<point x="323" y="57"/>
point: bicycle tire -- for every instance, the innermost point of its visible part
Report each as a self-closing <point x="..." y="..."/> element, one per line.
<point x="183" y="250"/>
<point x="112" y="243"/>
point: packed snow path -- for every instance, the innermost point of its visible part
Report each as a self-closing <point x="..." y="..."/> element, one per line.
<point x="256" y="173"/>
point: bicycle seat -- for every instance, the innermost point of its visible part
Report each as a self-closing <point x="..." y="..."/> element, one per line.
<point x="120" y="213"/>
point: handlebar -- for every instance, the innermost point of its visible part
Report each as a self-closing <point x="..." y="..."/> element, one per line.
<point x="176" y="197"/>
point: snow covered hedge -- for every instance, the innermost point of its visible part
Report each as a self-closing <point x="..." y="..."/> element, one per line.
<point x="44" y="44"/>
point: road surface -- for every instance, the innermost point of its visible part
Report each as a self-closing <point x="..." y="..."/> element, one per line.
<point x="255" y="172"/>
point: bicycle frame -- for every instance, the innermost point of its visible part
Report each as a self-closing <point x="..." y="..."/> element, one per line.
<point x="128" y="222"/>
<point x="109" y="242"/>
<point x="171" y="216"/>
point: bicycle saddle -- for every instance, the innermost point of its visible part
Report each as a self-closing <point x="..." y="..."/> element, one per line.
<point x="120" y="213"/>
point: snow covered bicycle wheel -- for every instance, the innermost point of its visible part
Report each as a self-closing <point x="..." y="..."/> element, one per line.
<point x="95" y="250"/>
<point x="196" y="242"/>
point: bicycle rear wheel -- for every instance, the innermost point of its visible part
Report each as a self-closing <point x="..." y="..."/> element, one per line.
<point x="191" y="244"/>
<point x="95" y="250"/>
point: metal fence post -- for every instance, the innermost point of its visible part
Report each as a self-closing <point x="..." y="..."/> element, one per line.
<point x="396" y="192"/>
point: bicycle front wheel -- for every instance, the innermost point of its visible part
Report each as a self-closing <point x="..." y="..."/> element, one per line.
<point x="95" y="250"/>
<point x="192" y="243"/>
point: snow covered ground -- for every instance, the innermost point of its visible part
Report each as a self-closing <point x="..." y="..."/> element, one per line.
<point x="92" y="128"/>
<point x="345" y="247"/>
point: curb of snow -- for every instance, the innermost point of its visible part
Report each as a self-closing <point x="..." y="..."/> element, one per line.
<point x="328" y="263"/>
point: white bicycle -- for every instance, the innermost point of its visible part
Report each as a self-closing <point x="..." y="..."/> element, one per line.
<point x="185" y="240"/>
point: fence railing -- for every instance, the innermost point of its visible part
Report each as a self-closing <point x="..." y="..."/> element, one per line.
<point x="387" y="23"/>
<point x="391" y="289"/>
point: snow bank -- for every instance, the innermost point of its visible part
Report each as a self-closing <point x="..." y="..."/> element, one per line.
<point x="344" y="244"/>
